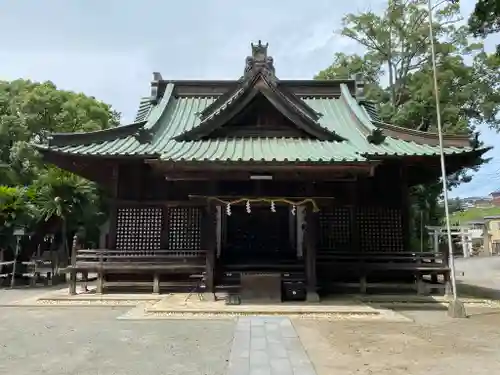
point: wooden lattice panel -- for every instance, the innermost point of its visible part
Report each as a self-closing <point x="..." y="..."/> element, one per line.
<point x="139" y="228"/>
<point x="335" y="229"/>
<point x="184" y="228"/>
<point x="380" y="229"/>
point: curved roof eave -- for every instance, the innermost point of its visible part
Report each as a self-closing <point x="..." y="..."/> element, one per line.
<point x="406" y="134"/>
<point x="64" y="139"/>
<point x="140" y="129"/>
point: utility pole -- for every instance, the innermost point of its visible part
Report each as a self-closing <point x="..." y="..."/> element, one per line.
<point x="456" y="308"/>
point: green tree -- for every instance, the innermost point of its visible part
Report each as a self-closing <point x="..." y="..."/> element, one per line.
<point x="398" y="52"/>
<point x="69" y="199"/>
<point x="454" y="205"/>
<point x="397" y="69"/>
<point x="29" y="111"/>
<point x="16" y="209"/>
<point x="485" y="19"/>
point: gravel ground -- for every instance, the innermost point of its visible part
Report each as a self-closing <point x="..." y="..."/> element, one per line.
<point x="432" y="345"/>
<point x="92" y="341"/>
<point x="481" y="273"/>
<point x="60" y="341"/>
<point x="8" y="296"/>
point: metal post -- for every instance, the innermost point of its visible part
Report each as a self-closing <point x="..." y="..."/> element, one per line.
<point x="456" y="311"/>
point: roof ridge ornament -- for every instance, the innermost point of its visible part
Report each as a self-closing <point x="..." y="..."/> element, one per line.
<point x="260" y="62"/>
<point x="259" y="51"/>
<point x="155" y="88"/>
<point x="376" y="137"/>
<point x="143" y="135"/>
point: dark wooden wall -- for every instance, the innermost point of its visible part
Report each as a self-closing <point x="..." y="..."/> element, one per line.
<point x="367" y="214"/>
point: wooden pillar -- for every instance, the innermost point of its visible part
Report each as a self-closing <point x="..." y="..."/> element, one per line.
<point x="405" y="209"/>
<point x="310" y="258"/>
<point x="355" y="235"/>
<point x="112" y="224"/>
<point x="209" y="239"/>
<point x="113" y="209"/>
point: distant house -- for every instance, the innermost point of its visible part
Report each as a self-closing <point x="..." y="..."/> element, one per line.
<point x="483" y="203"/>
<point x="493" y="227"/>
<point x="496" y="197"/>
<point x="476" y="229"/>
<point x="478" y="202"/>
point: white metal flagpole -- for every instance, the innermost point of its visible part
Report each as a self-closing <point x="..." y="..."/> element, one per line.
<point x="456" y="308"/>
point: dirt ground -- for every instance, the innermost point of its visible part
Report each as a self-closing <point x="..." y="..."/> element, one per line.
<point x="432" y="344"/>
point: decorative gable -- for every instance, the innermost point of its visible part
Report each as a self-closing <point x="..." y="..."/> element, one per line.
<point x="259" y="119"/>
<point x="259" y="107"/>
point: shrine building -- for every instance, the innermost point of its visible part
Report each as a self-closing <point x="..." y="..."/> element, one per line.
<point x="295" y="179"/>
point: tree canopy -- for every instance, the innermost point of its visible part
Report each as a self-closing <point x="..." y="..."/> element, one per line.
<point x="485" y="19"/>
<point x="31" y="192"/>
<point x="396" y="66"/>
<point x="31" y="110"/>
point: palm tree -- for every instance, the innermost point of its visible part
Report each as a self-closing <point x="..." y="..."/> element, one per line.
<point x="68" y="198"/>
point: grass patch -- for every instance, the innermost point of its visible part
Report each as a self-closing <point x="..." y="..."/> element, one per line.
<point x="472" y="214"/>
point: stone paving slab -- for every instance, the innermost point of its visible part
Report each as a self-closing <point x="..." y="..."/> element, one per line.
<point x="60" y="297"/>
<point x="177" y="305"/>
<point x="178" y="302"/>
<point x="267" y="346"/>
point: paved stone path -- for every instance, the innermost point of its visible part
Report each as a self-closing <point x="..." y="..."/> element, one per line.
<point x="267" y="346"/>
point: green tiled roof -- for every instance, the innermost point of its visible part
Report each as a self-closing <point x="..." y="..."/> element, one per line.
<point x="304" y="117"/>
<point x="156" y="127"/>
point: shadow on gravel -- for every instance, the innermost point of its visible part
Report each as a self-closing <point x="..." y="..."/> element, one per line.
<point x="417" y="307"/>
<point x="476" y="291"/>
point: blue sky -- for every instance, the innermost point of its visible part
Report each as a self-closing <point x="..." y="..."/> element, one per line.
<point x="109" y="48"/>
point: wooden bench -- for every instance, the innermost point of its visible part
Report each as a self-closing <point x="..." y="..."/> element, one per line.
<point x="364" y="265"/>
<point x="133" y="262"/>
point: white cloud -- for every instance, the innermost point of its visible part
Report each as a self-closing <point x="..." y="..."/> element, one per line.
<point x="115" y="78"/>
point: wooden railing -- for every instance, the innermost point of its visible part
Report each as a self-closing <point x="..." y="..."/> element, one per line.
<point x="153" y="262"/>
<point x="363" y="265"/>
<point x="385" y="259"/>
<point x="107" y="256"/>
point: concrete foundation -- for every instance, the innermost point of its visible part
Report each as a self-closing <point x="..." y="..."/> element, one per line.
<point x="456" y="309"/>
<point x="312" y="297"/>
